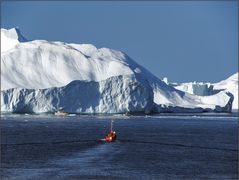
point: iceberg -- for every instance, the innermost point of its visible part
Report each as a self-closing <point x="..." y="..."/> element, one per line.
<point x="40" y="76"/>
<point x="207" y="89"/>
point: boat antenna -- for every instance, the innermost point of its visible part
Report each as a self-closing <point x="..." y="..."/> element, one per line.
<point x="111" y="126"/>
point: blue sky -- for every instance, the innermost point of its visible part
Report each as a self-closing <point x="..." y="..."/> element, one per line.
<point x="182" y="40"/>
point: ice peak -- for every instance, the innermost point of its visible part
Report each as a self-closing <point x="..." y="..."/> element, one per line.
<point x="165" y="79"/>
<point x="13" y="33"/>
<point x="10" y="38"/>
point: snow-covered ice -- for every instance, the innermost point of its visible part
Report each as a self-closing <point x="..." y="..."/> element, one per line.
<point x="41" y="76"/>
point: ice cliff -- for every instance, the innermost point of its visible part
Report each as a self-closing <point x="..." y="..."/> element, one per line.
<point x="41" y="76"/>
<point x="118" y="94"/>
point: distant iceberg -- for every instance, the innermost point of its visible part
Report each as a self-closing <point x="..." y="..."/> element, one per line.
<point x="207" y="89"/>
<point x="42" y="76"/>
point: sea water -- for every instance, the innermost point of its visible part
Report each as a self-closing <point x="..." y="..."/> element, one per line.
<point x="168" y="146"/>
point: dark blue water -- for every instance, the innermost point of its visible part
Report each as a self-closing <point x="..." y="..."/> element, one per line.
<point x="148" y="147"/>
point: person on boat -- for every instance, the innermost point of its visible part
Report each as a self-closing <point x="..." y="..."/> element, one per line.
<point x="111" y="136"/>
<point x="114" y="136"/>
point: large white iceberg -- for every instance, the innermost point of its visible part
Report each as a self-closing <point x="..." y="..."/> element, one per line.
<point x="41" y="76"/>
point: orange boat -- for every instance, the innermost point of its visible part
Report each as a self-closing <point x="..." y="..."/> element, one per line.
<point x="111" y="137"/>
